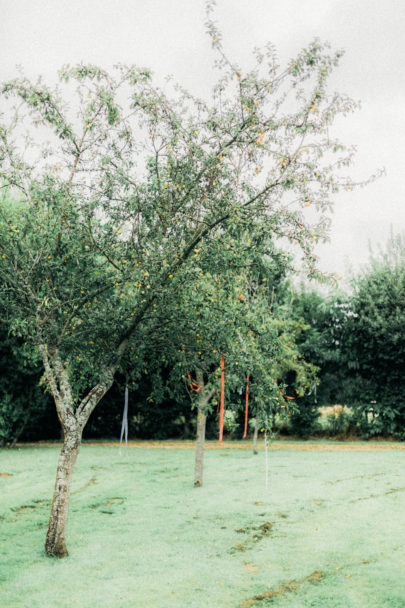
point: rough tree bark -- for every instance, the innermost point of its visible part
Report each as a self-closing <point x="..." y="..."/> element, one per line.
<point x="55" y="544"/>
<point x="73" y="422"/>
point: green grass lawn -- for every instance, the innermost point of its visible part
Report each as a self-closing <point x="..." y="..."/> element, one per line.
<point x="329" y="532"/>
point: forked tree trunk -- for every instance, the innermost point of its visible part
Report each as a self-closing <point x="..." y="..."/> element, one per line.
<point x="55" y="544"/>
<point x="73" y="422"/>
<point x="255" y="437"/>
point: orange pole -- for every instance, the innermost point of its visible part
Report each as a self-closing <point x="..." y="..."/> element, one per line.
<point x="247" y="407"/>
<point x="221" y="410"/>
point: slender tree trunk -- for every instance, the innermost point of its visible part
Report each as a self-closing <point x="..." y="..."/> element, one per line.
<point x="55" y="545"/>
<point x="203" y="400"/>
<point x="199" y="448"/>
<point x="255" y="437"/>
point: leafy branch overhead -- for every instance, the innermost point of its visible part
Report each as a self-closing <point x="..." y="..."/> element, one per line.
<point x="131" y="168"/>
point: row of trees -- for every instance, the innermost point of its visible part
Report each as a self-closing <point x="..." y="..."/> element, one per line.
<point x="353" y="341"/>
<point x="358" y="343"/>
<point x="143" y="231"/>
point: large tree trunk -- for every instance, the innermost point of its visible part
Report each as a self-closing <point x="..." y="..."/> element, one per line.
<point x="73" y="422"/>
<point x="55" y="545"/>
<point x="199" y="448"/>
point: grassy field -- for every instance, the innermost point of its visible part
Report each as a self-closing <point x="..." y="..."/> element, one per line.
<point x="328" y="533"/>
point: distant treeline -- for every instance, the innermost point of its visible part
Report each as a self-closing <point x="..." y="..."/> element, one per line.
<point x="356" y="340"/>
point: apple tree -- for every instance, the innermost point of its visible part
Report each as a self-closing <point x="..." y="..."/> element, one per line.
<point x="117" y="183"/>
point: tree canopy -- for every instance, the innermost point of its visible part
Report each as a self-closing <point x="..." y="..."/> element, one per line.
<point x="115" y="187"/>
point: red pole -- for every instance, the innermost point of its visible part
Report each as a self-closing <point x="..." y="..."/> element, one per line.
<point x="247" y="407"/>
<point x="221" y="410"/>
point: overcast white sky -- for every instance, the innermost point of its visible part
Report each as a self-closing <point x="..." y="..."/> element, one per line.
<point x="169" y="36"/>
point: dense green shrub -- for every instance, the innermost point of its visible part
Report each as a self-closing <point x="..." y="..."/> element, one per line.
<point x="376" y="341"/>
<point x="324" y="318"/>
<point x="336" y="420"/>
<point x="304" y="420"/>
